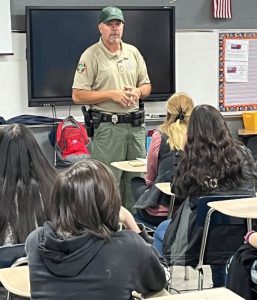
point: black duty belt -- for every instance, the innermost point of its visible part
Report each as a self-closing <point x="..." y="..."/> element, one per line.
<point x="115" y="118"/>
<point x="135" y="118"/>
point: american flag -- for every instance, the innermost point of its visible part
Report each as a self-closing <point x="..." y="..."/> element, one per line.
<point x="222" y="9"/>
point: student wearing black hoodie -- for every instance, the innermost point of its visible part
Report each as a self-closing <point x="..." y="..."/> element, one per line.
<point x="81" y="254"/>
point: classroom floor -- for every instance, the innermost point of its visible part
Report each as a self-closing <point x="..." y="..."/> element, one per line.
<point x="179" y="285"/>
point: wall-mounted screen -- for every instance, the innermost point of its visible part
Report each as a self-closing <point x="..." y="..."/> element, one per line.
<point x="57" y="36"/>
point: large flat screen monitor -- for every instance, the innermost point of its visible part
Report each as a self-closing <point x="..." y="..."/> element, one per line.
<point x="57" y="36"/>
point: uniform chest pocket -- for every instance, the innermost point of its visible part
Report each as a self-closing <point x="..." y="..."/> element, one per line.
<point x="125" y="64"/>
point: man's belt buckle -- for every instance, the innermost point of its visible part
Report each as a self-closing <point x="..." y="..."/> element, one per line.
<point x="115" y="119"/>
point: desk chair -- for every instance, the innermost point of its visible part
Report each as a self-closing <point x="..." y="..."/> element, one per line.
<point x="57" y="162"/>
<point x="165" y="188"/>
<point x="203" y="218"/>
<point x="11" y="256"/>
<point x="210" y="251"/>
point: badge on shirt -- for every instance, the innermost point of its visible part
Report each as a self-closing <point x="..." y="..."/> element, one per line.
<point x="129" y="64"/>
<point x="81" y="67"/>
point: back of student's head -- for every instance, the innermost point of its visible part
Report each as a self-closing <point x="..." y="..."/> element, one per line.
<point x="85" y="198"/>
<point x="25" y="182"/>
<point x="207" y="126"/>
<point x="178" y="110"/>
<point x="211" y="159"/>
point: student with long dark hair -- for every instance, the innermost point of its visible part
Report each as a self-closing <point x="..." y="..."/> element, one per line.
<point x="212" y="162"/>
<point x="81" y="253"/>
<point x="25" y="182"/>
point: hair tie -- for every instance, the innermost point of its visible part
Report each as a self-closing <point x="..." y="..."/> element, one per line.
<point x="180" y="116"/>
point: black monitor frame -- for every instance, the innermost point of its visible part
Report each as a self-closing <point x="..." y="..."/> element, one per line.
<point x="166" y="73"/>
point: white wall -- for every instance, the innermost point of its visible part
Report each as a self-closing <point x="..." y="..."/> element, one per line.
<point x="197" y="65"/>
<point x="196" y="74"/>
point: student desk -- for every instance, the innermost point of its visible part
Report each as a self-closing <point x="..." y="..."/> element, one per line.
<point x="164" y="187"/>
<point x="246" y="132"/>
<point x="245" y="208"/>
<point x="208" y="294"/>
<point x="125" y="166"/>
<point x="16" y="280"/>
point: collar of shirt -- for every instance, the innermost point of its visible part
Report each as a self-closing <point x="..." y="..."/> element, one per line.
<point x="109" y="54"/>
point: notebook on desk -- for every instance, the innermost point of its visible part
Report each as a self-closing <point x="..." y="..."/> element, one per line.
<point x="136" y="163"/>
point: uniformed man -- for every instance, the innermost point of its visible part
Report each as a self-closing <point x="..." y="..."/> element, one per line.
<point x="112" y="77"/>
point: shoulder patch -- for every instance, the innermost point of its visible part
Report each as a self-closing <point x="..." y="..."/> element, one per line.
<point x="81" y="67"/>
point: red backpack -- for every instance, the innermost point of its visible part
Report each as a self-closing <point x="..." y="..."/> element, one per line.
<point x="72" y="140"/>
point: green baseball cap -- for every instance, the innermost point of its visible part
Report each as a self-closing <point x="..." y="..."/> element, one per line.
<point x="111" y="13"/>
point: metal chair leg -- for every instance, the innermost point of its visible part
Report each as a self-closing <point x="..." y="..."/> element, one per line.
<point x="199" y="267"/>
<point x="170" y="281"/>
<point x="186" y="277"/>
<point x="9" y="296"/>
<point x="200" y="279"/>
<point x="249" y="224"/>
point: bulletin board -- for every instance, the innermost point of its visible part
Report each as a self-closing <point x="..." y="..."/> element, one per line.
<point x="237" y="71"/>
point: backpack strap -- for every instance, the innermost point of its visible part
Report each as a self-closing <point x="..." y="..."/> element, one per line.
<point x="59" y="131"/>
<point x="68" y="122"/>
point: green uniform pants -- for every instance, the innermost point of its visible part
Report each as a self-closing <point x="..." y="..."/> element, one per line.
<point x="116" y="143"/>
